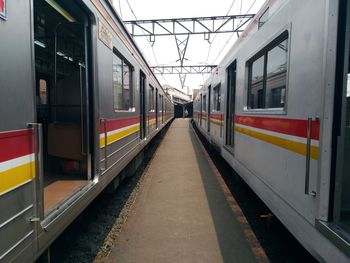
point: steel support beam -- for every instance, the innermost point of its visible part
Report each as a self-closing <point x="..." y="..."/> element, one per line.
<point x="196" y="69"/>
<point x="181" y="29"/>
<point x="181" y="44"/>
<point x="182" y="80"/>
<point x="185" y="26"/>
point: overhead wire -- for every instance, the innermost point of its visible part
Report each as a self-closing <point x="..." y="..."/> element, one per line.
<point x="240" y="8"/>
<point x="149" y="42"/>
<point x="120" y="9"/>
<point x="233" y="33"/>
<point x="133" y="13"/>
<point x="210" y="43"/>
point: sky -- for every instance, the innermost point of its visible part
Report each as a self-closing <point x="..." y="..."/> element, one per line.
<point x="199" y="51"/>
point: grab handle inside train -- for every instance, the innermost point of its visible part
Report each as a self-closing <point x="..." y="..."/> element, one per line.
<point x="308" y="157"/>
<point x="83" y="152"/>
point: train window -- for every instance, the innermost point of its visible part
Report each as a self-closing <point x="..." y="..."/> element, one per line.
<point x="122" y="84"/>
<point x="217" y="97"/>
<point x="151" y="99"/>
<point x="263" y="18"/>
<point x="268" y="75"/>
<point x="256" y="85"/>
<point x="43" y="91"/>
<point x="204" y="103"/>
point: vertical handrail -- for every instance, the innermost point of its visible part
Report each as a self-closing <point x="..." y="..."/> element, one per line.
<point x="308" y="157"/>
<point x="39" y="168"/>
<point x="105" y="150"/>
<point x="81" y="110"/>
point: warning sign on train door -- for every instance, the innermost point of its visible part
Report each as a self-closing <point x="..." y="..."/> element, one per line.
<point x="3" y="9"/>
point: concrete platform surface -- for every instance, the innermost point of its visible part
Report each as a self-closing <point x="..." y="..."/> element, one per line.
<point x="181" y="213"/>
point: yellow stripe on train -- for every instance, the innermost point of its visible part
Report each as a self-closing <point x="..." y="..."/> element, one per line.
<point x="118" y="135"/>
<point x="293" y="146"/>
<point x="151" y="122"/>
<point x="217" y="122"/>
<point x="17" y="176"/>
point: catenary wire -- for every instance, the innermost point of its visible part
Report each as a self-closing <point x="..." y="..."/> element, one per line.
<point x="233" y="33"/>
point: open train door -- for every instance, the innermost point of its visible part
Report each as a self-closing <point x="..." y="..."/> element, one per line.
<point x="61" y="33"/>
<point x="209" y="108"/>
<point x="339" y="212"/>
<point x="201" y="110"/>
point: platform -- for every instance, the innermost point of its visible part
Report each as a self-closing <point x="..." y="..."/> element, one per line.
<point x="182" y="213"/>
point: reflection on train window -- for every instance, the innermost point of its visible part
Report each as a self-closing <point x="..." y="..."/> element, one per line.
<point x="151" y="99"/>
<point x="204" y="102"/>
<point x="268" y="75"/>
<point x="217" y="97"/>
<point x="276" y="78"/>
<point x="256" y="84"/>
<point x="122" y="84"/>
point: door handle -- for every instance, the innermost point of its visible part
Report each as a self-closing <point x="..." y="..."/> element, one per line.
<point x="308" y="157"/>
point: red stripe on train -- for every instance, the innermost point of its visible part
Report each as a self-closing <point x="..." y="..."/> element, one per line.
<point x="293" y="127"/>
<point x="219" y="117"/>
<point x="16" y="144"/>
<point x="112" y="125"/>
<point x="151" y="116"/>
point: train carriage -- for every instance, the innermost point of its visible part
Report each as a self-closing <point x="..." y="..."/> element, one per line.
<point x="284" y="104"/>
<point x="75" y="96"/>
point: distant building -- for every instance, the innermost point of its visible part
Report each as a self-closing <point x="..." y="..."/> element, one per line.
<point x="176" y="95"/>
<point x="195" y="93"/>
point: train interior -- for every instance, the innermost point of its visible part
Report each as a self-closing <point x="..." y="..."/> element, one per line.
<point x="61" y="97"/>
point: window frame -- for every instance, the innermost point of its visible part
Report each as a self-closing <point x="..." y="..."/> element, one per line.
<point x="132" y="107"/>
<point x="263" y="52"/>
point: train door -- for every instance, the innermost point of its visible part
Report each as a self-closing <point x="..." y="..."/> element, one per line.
<point x="62" y="90"/>
<point x="230" y="104"/>
<point x="201" y="110"/>
<point x="162" y="109"/>
<point x="341" y="132"/>
<point x="209" y="103"/>
<point x="157" y="109"/>
<point x="142" y="105"/>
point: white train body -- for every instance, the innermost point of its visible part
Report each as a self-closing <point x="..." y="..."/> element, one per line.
<point x="276" y="127"/>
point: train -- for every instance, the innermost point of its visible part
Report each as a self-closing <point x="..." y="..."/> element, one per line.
<point x="78" y="105"/>
<point x="276" y="108"/>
